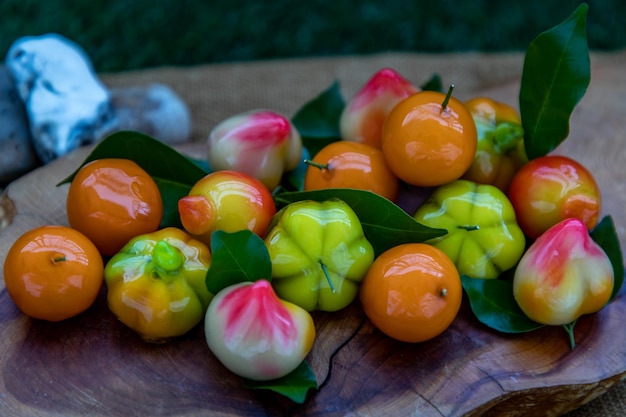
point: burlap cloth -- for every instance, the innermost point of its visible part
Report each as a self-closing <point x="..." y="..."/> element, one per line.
<point x="214" y="92"/>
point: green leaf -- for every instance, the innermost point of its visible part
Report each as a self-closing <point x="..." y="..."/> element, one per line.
<point x="318" y="120"/>
<point x="173" y="172"/>
<point x="385" y="224"/>
<point x="555" y="77"/>
<point x="493" y="304"/>
<point x="295" y="179"/>
<point x="171" y="192"/>
<point x="433" y="84"/>
<point x="237" y="257"/>
<point x="294" y="386"/>
<point x="155" y="157"/>
<point x="605" y="235"/>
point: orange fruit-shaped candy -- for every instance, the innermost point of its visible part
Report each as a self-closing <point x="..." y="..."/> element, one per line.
<point x="429" y="139"/>
<point x="412" y="292"/>
<point x="229" y="201"/>
<point x="346" y="164"/>
<point x="552" y="188"/>
<point x="112" y="200"/>
<point x="53" y="273"/>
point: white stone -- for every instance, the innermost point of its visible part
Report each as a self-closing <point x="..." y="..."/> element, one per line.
<point x="155" y="110"/>
<point x="17" y="155"/>
<point x="65" y="101"/>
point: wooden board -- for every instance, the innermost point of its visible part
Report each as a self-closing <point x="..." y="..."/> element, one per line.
<point x="93" y="366"/>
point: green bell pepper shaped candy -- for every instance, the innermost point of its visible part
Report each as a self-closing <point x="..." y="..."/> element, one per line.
<point x="319" y="254"/>
<point x="156" y="284"/>
<point x="483" y="238"/>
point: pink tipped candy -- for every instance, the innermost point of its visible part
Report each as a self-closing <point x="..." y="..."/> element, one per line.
<point x="255" y="334"/>
<point x="255" y="312"/>
<point x="364" y="115"/>
<point x="563" y="275"/>
<point x="386" y="83"/>
<point x="263" y="129"/>
<point x="260" y="143"/>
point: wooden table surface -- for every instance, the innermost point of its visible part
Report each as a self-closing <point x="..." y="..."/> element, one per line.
<point x="92" y="365"/>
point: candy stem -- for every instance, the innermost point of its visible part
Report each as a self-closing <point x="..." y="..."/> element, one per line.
<point x="330" y="282"/>
<point x="569" y="328"/>
<point x="506" y="136"/>
<point x="448" y="96"/>
<point x="316" y="164"/>
<point x="470" y="228"/>
<point x="167" y="257"/>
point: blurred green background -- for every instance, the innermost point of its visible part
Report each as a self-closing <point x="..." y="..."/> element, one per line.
<point x="130" y="34"/>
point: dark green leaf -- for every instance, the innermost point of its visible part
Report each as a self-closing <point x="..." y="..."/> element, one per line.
<point x="294" y="386"/>
<point x="555" y="77"/>
<point x="493" y="304"/>
<point x="318" y="120"/>
<point x="173" y="172"/>
<point x="155" y="157"/>
<point x="385" y="224"/>
<point x="295" y="178"/>
<point x="171" y="192"/>
<point x="604" y="234"/>
<point x="237" y="257"/>
<point x="434" y="84"/>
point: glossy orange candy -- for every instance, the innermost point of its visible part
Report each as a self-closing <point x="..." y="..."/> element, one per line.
<point x="412" y="292"/>
<point x="347" y="164"/>
<point x="112" y="200"/>
<point x="53" y="273"/>
<point x="429" y="139"/>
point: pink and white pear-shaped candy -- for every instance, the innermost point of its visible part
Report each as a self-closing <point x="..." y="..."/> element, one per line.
<point x="260" y="143"/>
<point x="255" y="334"/>
<point x="365" y="113"/>
<point x="563" y="275"/>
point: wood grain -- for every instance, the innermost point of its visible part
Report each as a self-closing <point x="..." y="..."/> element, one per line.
<point x="92" y="365"/>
